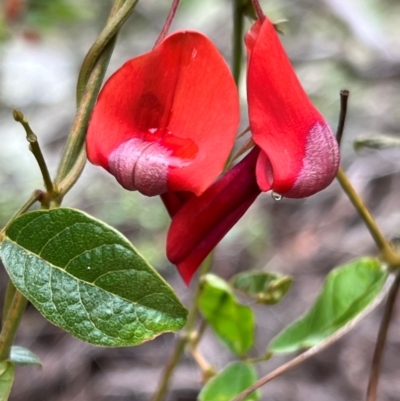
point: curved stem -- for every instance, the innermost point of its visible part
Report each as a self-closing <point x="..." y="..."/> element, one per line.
<point x="35" y="149"/>
<point x="11" y="324"/>
<point x="89" y="82"/>
<point x="387" y="253"/>
<point x="321" y="346"/>
<point x="168" y="22"/>
<point x="180" y="346"/>
<point x="119" y="13"/>
<point x="169" y="369"/>
<point x="381" y="340"/>
<point x="8" y="300"/>
<point x="69" y="181"/>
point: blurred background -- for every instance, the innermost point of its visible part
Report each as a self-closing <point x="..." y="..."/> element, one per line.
<point x="333" y="44"/>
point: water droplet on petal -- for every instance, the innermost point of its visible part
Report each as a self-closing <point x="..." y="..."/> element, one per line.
<point x="275" y="196"/>
<point x="194" y="54"/>
<point x="153" y="130"/>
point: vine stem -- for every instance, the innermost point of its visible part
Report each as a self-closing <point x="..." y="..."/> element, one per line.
<point x="388" y="255"/>
<point x="168" y="22"/>
<point x="381" y="340"/>
<point x="119" y="13"/>
<point x="169" y="369"/>
<point x="391" y="257"/>
<point x="8" y="300"/>
<point x="11" y="324"/>
<point x="35" y="149"/>
<point x="184" y="339"/>
<point x="237" y="52"/>
<point x="89" y="82"/>
<point x="321" y="346"/>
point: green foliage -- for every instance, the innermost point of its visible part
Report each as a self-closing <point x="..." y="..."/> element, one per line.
<point x="232" y="322"/>
<point x="6" y="379"/>
<point x="377" y="142"/>
<point x="266" y="288"/>
<point x="22" y="356"/>
<point x="346" y="292"/>
<point x="86" y="278"/>
<point x="231" y="381"/>
<point x="46" y="14"/>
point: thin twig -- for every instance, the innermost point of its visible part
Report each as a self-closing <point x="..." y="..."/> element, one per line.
<point x="344" y="97"/>
<point x="180" y="346"/>
<point x="206" y="369"/>
<point x="249" y="144"/>
<point x="321" y="346"/>
<point x="35" y="149"/>
<point x="168" y="22"/>
<point x="11" y="324"/>
<point x="169" y="369"/>
<point x="381" y="340"/>
<point x="391" y="257"/>
<point x="244" y="132"/>
<point x="8" y="300"/>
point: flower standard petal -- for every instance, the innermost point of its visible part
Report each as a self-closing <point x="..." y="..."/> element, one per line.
<point x="201" y="223"/>
<point x="166" y="121"/>
<point x="300" y="153"/>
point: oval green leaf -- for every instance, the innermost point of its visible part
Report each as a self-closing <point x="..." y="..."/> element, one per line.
<point x="22" y="356"/>
<point x="6" y="379"/>
<point x="86" y="278"/>
<point x="232" y="322"/>
<point x="231" y="381"/>
<point x="346" y="292"/>
<point x="266" y="288"/>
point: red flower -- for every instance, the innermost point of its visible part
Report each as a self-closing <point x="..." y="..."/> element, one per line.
<point x="297" y="154"/>
<point x="300" y="155"/>
<point x="201" y="222"/>
<point x="166" y="120"/>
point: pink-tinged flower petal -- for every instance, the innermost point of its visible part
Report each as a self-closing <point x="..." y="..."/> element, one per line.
<point x="166" y="121"/>
<point x="203" y="221"/>
<point x="300" y="154"/>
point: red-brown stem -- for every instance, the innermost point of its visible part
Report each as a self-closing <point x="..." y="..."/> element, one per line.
<point x="259" y="11"/>
<point x="168" y="22"/>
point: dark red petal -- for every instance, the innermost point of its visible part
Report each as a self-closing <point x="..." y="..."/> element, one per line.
<point x="202" y="222"/>
<point x="173" y="201"/>
<point x="301" y="155"/>
<point x="166" y="121"/>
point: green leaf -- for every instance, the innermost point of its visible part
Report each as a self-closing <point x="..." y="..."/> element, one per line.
<point x="346" y="292"/>
<point x="86" y="278"/>
<point x="6" y="379"/>
<point x="22" y="356"/>
<point x="377" y="142"/>
<point x="232" y="380"/>
<point x="266" y="288"/>
<point x="232" y="322"/>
